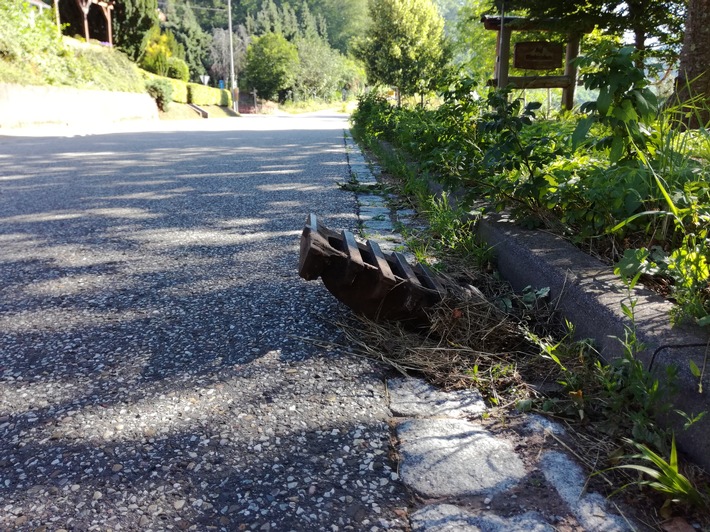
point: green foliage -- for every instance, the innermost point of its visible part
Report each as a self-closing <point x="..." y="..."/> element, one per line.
<point x="195" y="43"/>
<point x="271" y="65"/>
<point x="180" y="93"/>
<point x="101" y="68"/>
<point x="203" y="95"/>
<point x="345" y="21"/>
<point x="404" y="47"/>
<point x="321" y="71"/>
<point x="19" y="36"/>
<point x="177" y="69"/>
<point x="625" y="172"/>
<point x="156" y="55"/>
<point x="470" y="40"/>
<point x="658" y="21"/>
<point x="626" y="104"/>
<point x="161" y="91"/>
<point x="132" y="20"/>
<point x="664" y="476"/>
<point x="34" y="53"/>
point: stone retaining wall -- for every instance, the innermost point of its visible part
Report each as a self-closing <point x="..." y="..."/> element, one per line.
<point x="35" y="105"/>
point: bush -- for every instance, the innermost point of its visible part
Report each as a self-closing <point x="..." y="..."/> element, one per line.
<point x="179" y="90"/>
<point x="161" y="90"/>
<point x="177" y="69"/>
<point x="107" y="69"/>
<point x="203" y="95"/>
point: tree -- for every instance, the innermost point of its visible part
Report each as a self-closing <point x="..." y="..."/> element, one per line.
<point x="346" y="21"/>
<point x="473" y="45"/>
<point x="656" y="21"/>
<point x="404" y="47"/>
<point x="320" y="71"/>
<point x="219" y="51"/>
<point x="181" y="21"/>
<point x="131" y="21"/>
<point x="271" y="65"/>
<point x="693" y="81"/>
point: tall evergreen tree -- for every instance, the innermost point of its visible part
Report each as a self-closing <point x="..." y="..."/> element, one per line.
<point x="181" y="21"/>
<point x="132" y="19"/>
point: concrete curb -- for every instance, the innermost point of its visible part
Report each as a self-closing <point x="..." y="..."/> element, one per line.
<point x="590" y="296"/>
<point x="445" y="452"/>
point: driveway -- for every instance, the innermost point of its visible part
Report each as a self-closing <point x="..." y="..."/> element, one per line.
<point x="162" y="366"/>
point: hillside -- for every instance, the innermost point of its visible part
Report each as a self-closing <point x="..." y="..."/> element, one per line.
<point x="33" y="53"/>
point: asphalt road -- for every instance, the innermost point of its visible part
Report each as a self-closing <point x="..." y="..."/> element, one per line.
<point x="162" y="365"/>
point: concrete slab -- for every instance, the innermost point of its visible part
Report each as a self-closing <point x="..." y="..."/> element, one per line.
<point x="373" y="212"/>
<point x="453" y="458"/>
<point x="450" y="518"/>
<point x="590" y="509"/>
<point x="371" y="200"/>
<point x="377" y="226"/>
<point x="411" y="397"/>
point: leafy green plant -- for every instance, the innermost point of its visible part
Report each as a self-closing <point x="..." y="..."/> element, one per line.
<point x="626" y="104"/>
<point x="663" y="476"/>
<point x="177" y="69"/>
<point x="161" y="91"/>
<point x="625" y="176"/>
<point x="453" y="230"/>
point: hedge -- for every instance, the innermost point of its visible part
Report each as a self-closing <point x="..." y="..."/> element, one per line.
<point x="203" y="95"/>
<point x="179" y="90"/>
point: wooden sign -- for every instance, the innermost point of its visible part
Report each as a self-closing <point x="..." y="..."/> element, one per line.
<point x="537" y="55"/>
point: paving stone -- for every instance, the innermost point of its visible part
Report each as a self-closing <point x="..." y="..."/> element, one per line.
<point x="452" y="457"/>
<point x="388" y="246"/>
<point x="450" y="518"/>
<point x="371" y="200"/>
<point x="378" y="214"/>
<point x="405" y="214"/>
<point x="569" y="480"/>
<point x="379" y="226"/>
<point x="417" y="398"/>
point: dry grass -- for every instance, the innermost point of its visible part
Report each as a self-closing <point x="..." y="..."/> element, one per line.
<point x="477" y="337"/>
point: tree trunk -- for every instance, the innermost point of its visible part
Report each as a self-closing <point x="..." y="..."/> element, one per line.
<point x="85" y="5"/>
<point x="693" y="83"/>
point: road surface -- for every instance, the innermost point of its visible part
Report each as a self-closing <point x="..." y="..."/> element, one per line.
<point x="162" y="366"/>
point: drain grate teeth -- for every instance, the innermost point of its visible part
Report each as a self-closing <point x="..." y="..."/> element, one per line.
<point x="372" y="283"/>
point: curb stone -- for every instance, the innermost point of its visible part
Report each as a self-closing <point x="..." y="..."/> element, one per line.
<point x="446" y="457"/>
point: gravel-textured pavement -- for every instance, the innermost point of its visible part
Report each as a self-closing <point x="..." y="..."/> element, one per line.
<point x="155" y="371"/>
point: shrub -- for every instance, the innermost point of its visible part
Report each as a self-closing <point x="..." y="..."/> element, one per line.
<point x="177" y="69"/>
<point x="179" y="90"/>
<point x="203" y="95"/>
<point x="161" y="91"/>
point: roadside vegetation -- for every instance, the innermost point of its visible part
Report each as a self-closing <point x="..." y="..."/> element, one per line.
<point x="513" y="347"/>
<point x="624" y="176"/>
<point x="281" y="52"/>
<point x="33" y="53"/>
